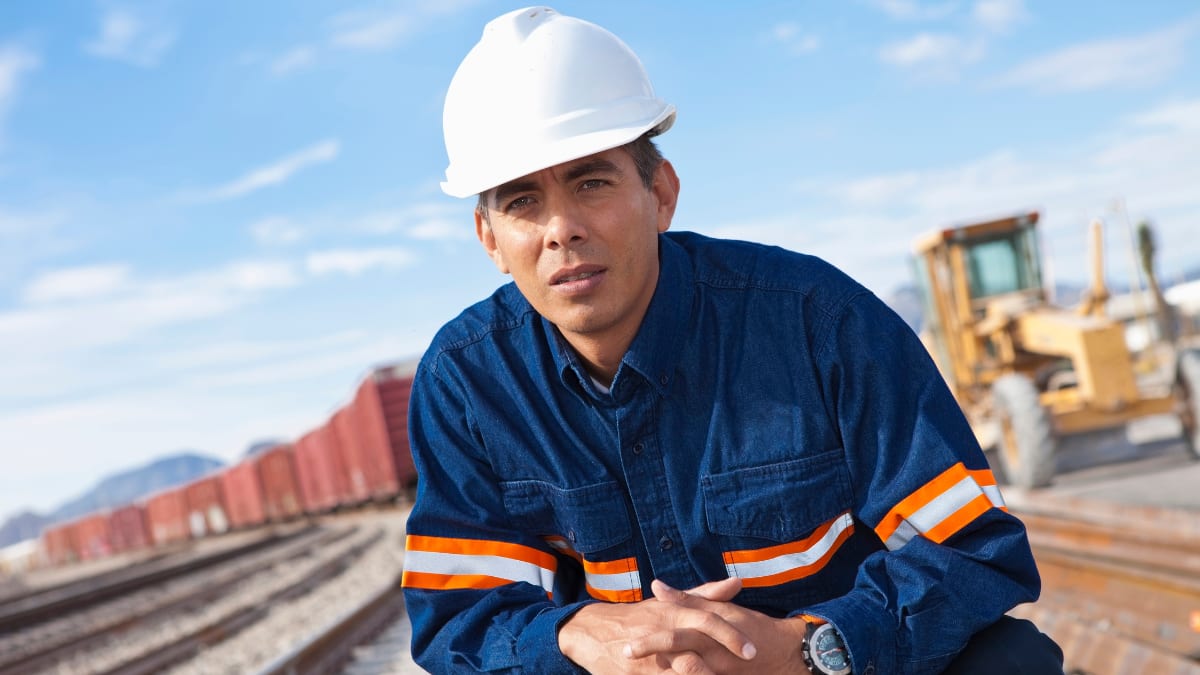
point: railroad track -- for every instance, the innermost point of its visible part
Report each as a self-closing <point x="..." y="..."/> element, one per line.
<point x="373" y="637"/>
<point x="1120" y="587"/>
<point x="29" y="609"/>
<point x="81" y="632"/>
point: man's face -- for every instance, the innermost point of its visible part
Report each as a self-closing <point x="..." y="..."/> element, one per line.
<point x="580" y="240"/>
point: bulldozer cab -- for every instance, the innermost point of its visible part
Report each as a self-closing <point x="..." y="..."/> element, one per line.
<point x="961" y="272"/>
<point x="1027" y="373"/>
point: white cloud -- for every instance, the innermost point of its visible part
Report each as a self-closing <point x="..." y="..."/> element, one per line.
<point x="1123" y="62"/>
<point x="295" y="59"/>
<point x="933" y="54"/>
<point x="275" y="173"/>
<point x="998" y="16"/>
<point x="1149" y="160"/>
<point x="130" y="38"/>
<point x="239" y="353"/>
<point x="45" y="333"/>
<point x="354" y="262"/>
<point x="1183" y="115"/>
<point x="276" y="230"/>
<point x="912" y="10"/>
<point x="364" y="30"/>
<point x="797" y="41"/>
<point x="77" y="283"/>
<point x="432" y="221"/>
<point x="15" y="62"/>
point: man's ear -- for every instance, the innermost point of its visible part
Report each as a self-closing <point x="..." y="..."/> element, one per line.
<point x="483" y="230"/>
<point x="666" y="188"/>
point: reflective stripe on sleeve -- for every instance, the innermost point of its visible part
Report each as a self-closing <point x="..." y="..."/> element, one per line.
<point x="941" y="507"/>
<point x="774" y="565"/>
<point x="987" y="481"/>
<point x="612" y="581"/>
<point x="444" y="563"/>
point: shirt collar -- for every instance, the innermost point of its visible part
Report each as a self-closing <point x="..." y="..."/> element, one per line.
<point x="655" y="351"/>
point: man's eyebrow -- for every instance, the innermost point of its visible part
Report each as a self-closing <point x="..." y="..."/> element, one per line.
<point x="595" y="165"/>
<point x="511" y="188"/>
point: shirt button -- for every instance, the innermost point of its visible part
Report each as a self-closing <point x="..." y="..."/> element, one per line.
<point x="571" y="535"/>
<point x="665" y="543"/>
<point x="664" y="379"/>
<point x="638" y="448"/>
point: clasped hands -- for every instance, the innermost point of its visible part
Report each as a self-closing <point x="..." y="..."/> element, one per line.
<point x="697" y="632"/>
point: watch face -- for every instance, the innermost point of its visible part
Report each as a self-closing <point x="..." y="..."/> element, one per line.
<point x="828" y="651"/>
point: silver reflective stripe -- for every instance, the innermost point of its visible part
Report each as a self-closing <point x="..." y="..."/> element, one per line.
<point x="617" y="581"/>
<point x="459" y="564"/>
<point x="929" y="516"/>
<point x="994" y="496"/>
<point x="790" y="561"/>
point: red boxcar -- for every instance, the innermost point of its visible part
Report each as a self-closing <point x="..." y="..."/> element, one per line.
<point x="320" y="472"/>
<point x="127" y="526"/>
<point x="243" y="495"/>
<point x="394" y="383"/>
<point x="92" y="537"/>
<point x="59" y="545"/>
<point x="167" y="516"/>
<point x="276" y="470"/>
<point x="370" y="465"/>
<point x="207" y="513"/>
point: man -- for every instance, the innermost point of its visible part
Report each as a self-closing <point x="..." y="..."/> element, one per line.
<point x="660" y="452"/>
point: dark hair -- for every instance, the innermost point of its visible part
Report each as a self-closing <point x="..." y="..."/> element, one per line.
<point x="646" y="157"/>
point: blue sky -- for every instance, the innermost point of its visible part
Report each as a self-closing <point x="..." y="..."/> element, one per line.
<point x="216" y="216"/>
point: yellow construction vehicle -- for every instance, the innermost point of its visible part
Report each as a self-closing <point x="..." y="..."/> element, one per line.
<point x="1027" y="373"/>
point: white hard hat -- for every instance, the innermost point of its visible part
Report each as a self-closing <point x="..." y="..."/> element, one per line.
<point x="540" y="89"/>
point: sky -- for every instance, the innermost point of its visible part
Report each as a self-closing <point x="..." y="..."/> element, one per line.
<point x="216" y="217"/>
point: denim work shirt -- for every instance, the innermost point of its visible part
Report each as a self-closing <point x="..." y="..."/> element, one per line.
<point x="772" y="420"/>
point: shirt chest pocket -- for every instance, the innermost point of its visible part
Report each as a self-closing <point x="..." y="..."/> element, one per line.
<point x="780" y="523"/>
<point x="590" y="519"/>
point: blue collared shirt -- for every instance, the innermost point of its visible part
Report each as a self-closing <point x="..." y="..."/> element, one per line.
<point x="772" y="420"/>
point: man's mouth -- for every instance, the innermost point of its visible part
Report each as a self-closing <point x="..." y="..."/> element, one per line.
<point x="575" y="277"/>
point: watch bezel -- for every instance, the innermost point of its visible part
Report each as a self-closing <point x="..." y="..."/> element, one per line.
<point x="814" y="663"/>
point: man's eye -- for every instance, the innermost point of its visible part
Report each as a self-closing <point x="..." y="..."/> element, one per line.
<point x="519" y="203"/>
<point x="591" y="184"/>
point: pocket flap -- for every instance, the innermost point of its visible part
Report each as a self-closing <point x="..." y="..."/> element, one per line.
<point x="592" y="518"/>
<point x="782" y="502"/>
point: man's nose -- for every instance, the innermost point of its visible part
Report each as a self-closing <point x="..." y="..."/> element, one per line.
<point x="565" y="228"/>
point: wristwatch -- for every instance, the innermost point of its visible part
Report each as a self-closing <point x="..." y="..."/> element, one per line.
<point x="824" y="650"/>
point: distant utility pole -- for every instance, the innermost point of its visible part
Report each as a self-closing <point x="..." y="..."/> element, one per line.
<point x="1164" y="316"/>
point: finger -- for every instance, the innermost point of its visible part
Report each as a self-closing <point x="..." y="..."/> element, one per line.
<point x="689" y="663"/>
<point x="718" y="591"/>
<point x="697" y="630"/>
<point x="666" y="593"/>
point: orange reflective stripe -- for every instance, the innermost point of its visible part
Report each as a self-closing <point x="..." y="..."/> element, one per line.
<point x="918" y="499"/>
<point x="416" y="542"/>
<point x="628" y="595"/>
<point x="959" y="519"/>
<point x="800" y="571"/>
<point x="622" y="566"/>
<point x="444" y="582"/>
<point x="761" y="554"/>
<point x="781" y="563"/>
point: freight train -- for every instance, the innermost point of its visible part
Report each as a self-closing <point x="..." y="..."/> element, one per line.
<point x="358" y="456"/>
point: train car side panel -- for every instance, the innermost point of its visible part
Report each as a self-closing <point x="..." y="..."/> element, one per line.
<point x="320" y="473"/>
<point x="243" y="495"/>
<point x="128" y="528"/>
<point x="207" y="511"/>
<point x="281" y="494"/>
<point x="167" y="515"/>
<point x="93" y="539"/>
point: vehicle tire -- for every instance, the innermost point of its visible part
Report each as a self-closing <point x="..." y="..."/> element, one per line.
<point x="1027" y="444"/>
<point x="1188" y="378"/>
